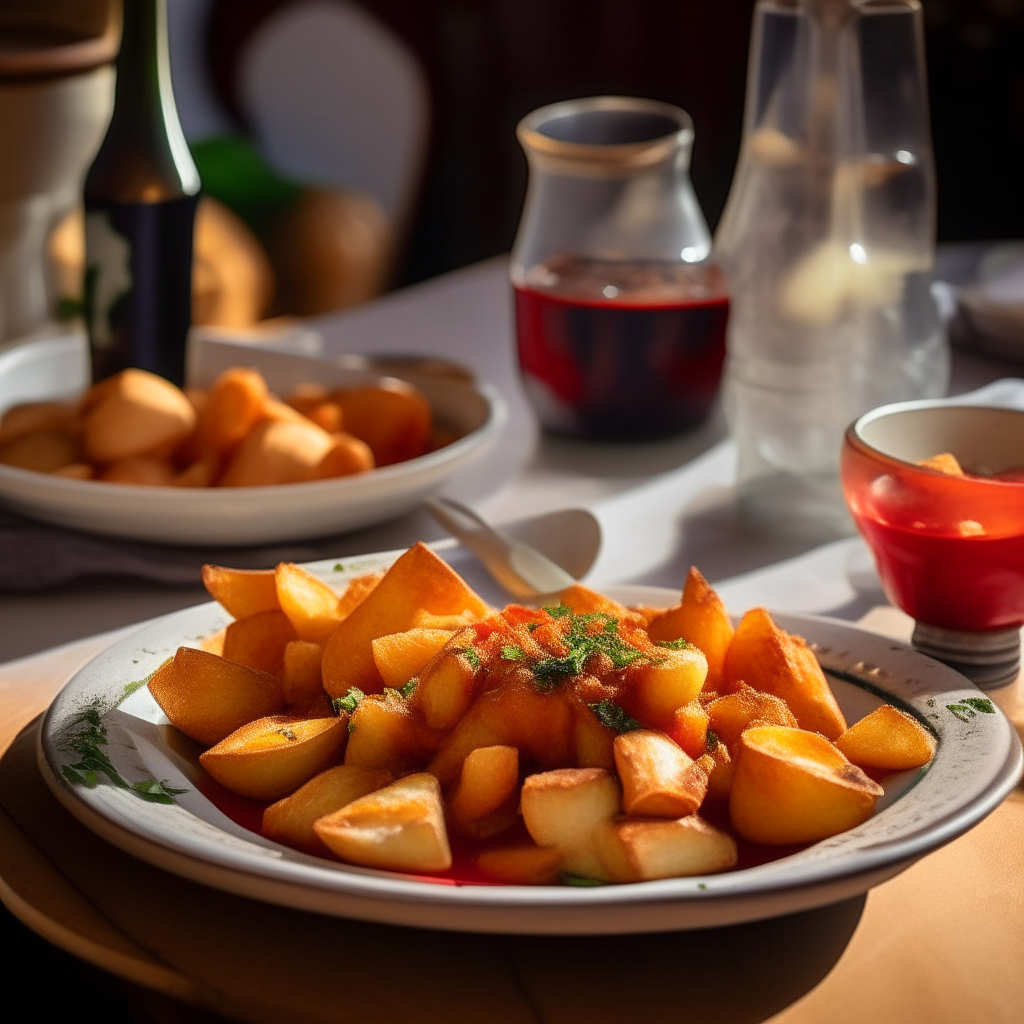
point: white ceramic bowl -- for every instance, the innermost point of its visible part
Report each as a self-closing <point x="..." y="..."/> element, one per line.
<point x="57" y="368"/>
<point x="977" y="764"/>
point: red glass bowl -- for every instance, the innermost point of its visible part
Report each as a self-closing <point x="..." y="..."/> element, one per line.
<point x="949" y="550"/>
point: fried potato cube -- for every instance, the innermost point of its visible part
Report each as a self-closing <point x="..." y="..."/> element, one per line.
<point x="690" y="728"/>
<point x="392" y="418"/>
<point x="523" y="864"/>
<point x="41" y="452"/>
<point x="136" y="414"/>
<point x="539" y="725"/>
<point x="242" y="592"/>
<point x="401" y="656"/>
<point x="384" y="733"/>
<point x="565" y="807"/>
<point x="37" y="417"/>
<point x="311" y="606"/>
<point x="259" y="640"/>
<point x="214" y="643"/>
<point x="208" y="697"/>
<point x="888" y="740"/>
<point x="329" y="416"/>
<point x="640" y="850"/>
<point x="399" y="828"/>
<point x="418" y="580"/>
<point x="200" y="473"/>
<point x="700" y="619"/>
<point x="300" y="671"/>
<point x="731" y="714"/>
<point x="773" y="661"/>
<point x="658" y="779"/>
<point x="583" y="601"/>
<point x="448" y="683"/>
<point x="347" y="456"/>
<point x="271" y="757"/>
<point x="232" y="407"/>
<point x="483" y="802"/>
<point x="139" y="471"/>
<point x="275" y="452"/>
<point x="719" y="767"/>
<point x="594" y="742"/>
<point x="356" y="592"/>
<point x="290" y="820"/>
<point x="662" y="686"/>
<point x="75" y="471"/>
<point x="792" y="786"/>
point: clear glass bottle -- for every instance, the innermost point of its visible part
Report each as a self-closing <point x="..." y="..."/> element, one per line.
<point x="828" y="243"/>
<point x="620" y="313"/>
<point x="140" y="201"/>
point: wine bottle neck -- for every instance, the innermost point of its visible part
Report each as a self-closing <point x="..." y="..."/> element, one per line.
<point x="144" y="157"/>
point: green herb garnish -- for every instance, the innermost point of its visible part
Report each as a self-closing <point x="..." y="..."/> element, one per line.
<point x="410" y="688"/>
<point x="558" y="611"/>
<point x="966" y="709"/>
<point x="611" y="716"/>
<point x="338" y="567"/>
<point x="580" y="881"/>
<point x="711" y="740"/>
<point x="156" y="792"/>
<point x="349" y="702"/>
<point x="511" y="652"/>
<point x="472" y="657"/>
<point x="673" y="645"/>
<point x="583" y="643"/>
<point x="351" y="727"/>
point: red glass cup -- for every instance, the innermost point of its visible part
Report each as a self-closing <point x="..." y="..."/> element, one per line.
<point x="949" y="549"/>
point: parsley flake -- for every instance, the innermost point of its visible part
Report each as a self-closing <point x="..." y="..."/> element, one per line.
<point x="558" y="611"/>
<point x="338" y="567"/>
<point x="673" y="645"/>
<point x="511" y="652"/>
<point x="711" y="740"/>
<point x="611" y="716"/>
<point x="472" y="657"/>
<point x="579" y="881"/>
<point x="410" y="688"/>
<point x="349" y="702"/>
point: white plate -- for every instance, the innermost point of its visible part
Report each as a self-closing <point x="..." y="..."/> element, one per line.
<point x="977" y="765"/>
<point x="56" y="368"/>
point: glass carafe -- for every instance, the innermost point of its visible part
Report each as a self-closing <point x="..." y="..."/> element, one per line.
<point x="620" y="313"/>
<point x="827" y="242"/>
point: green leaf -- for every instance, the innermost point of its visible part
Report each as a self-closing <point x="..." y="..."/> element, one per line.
<point x="982" y="704"/>
<point x="673" y="645"/>
<point x="156" y="792"/>
<point x="338" y="567"/>
<point x="611" y="716"/>
<point x="349" y="702"/>
<point x="510" y="652"/>
<point x="472" y="657"/>
<point x="962" y="711"/>
<point x="712" y="740"/>
<point x="410" y="688"/>
<point x="558" y="611"/>
<point x="579" y="881"/>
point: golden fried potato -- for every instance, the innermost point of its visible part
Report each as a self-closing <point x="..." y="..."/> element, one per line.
<point x="641" y="850"/>
<point x="690" y="728"/>
<point x="773" y="661"/>
<point x="139" y="470"/>
<point x="483" y="802"/>
<point x="201" y="473"/>
<point x="75" y="471"/>
<point x="730" y="714"/>
<point x="208" y="697"/>
<point x="259" y="640"/>
<point x="310" y="604"/>
<point x="523" y="864"/>
<point x="392" y="418"/>
<point x="38" y="417"/>
<point x="658" y="779"/>
<point x="386" y="734"/>
<point x="400" y="827"/>
<point x="290" y="820"/>
<point x="702" y="620"/>
<point x="271" y="757"/>
<point x="666" y="684"/>
<point x="346" y="457"/>
<point x="401" y="656"/>
<point x="135" y="413"/>
<point x="564" y="808"/>
<point x="719" y="767"/>
<point x="356" y="591"/>
<point x="584" y="601"/>
<point x="300" y="672"/>
<point x="447" y="684"/>
<point x="276" y="452"/>
<point x="233" y="406"/>
<point x="418" y="581"/>
<point x="888" y="740"/>
<point x="42" y="451"/>
<point x="593" y="742"/>
<point x="792" y="786"/>
<point x="242" y="592"/>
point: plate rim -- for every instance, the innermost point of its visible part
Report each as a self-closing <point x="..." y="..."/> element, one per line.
<point x="395" y="889"/>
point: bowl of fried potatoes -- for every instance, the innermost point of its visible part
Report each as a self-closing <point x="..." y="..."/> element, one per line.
<point x="270" y="447"/>
<point x="374" y="741"/>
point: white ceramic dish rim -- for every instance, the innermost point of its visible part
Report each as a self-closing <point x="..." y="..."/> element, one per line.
<point x="851" y="653"/>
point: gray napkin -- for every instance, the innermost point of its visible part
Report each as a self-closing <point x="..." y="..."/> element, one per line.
<point x="35" y="556"/>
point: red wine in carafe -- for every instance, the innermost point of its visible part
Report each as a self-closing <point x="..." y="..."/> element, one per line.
<point x="621" y="351"/>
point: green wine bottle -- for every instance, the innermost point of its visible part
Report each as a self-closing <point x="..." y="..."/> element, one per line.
<point x="140" y="201"/>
